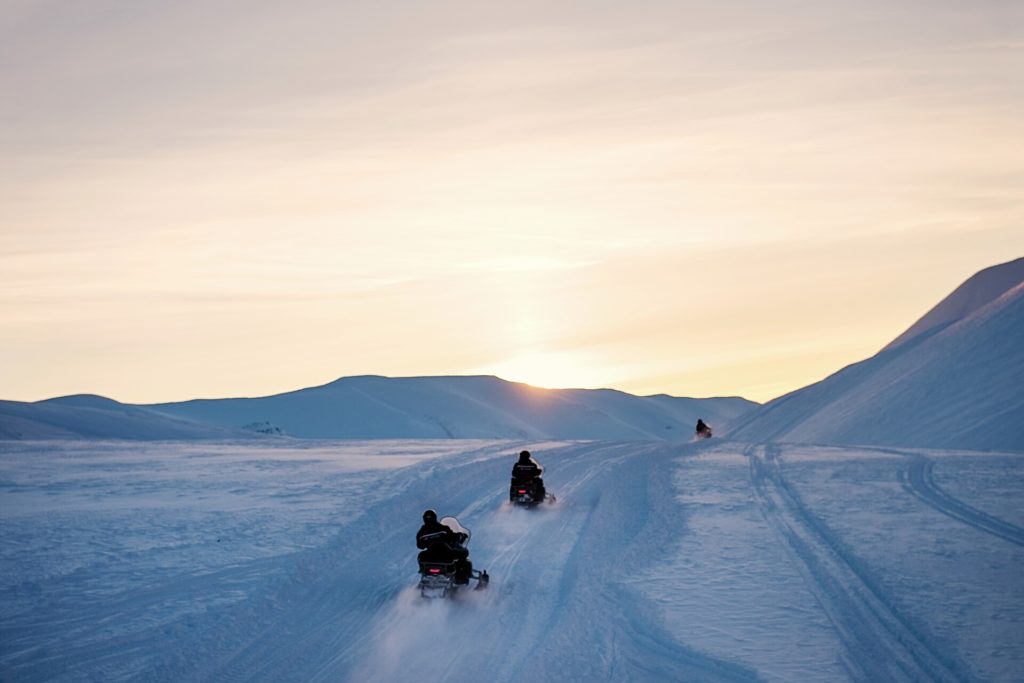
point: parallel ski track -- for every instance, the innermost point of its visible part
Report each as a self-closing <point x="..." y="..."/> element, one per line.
<point x="916" y="478"/>
<point x="567" y="520"/>
<point x="880" y="644"/>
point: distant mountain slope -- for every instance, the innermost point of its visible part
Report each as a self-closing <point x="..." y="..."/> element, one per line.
<point x="373" y="407"/>
<point x="952" y="382"/>
<point x="95" y="417"/>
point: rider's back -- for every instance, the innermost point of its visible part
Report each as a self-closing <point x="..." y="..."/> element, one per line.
<point x="526" y="469"/>
<point x="431" y="532"/>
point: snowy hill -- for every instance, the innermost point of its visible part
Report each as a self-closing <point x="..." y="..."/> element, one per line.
<point x="95" y="417"/>
<point x="473" y="407"/>
<point x="955" y="379"/>
<point x="372" y="407"/>
<point x="982" y="288"/>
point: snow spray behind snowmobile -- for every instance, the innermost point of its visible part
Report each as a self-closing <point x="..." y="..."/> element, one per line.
<point x="442" y="571"/>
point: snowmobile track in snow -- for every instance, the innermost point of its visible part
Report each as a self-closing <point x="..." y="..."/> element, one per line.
<point x="880" y="644"/>
<point x="917" y="480"/>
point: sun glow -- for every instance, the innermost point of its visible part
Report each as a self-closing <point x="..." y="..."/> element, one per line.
<point x="553" y="370"/>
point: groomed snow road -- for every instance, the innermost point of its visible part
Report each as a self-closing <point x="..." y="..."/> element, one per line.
<point x="714" y="561"/>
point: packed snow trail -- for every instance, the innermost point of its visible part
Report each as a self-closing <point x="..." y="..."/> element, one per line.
<point x="556" y="577"/>
<point x="712" y="561"/>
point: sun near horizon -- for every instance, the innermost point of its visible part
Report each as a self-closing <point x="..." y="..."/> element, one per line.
<point x="660" y="198"/>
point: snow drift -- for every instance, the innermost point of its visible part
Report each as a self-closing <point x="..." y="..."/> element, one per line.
<point x="953" y="380"/>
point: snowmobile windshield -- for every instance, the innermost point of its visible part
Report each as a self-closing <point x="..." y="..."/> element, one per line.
<point x="454" y="525"/>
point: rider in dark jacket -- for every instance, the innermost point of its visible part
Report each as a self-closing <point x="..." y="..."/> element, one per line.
<point x="433" y="531"/>
<point x="440" y="544"/>
<point x="527" y="473"/>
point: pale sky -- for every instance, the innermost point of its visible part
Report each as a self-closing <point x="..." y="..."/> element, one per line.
<point x="206" y="199"/>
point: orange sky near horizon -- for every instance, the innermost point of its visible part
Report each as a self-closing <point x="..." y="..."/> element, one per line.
<point x="655" y="197"/>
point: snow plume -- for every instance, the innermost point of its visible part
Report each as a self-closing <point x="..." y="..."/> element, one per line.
<point x="421" y="636"/>
<point x="512" y="522"/>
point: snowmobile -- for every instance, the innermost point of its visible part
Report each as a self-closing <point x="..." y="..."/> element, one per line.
<point x="441" y="576"/>
<point x="703" y="430"/>
<point x="525" y="494"/>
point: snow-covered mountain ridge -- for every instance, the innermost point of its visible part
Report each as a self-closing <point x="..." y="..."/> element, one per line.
<point x="85" y="416"/>
<point x="375" y="407"/>
<point x="955" y="379"/>
<point x="980" y="289"/>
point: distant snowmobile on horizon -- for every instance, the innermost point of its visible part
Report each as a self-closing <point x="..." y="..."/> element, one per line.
<point x="527" y="487"/>
<point x="444" y="561"/>
<point x="703" y="431"/>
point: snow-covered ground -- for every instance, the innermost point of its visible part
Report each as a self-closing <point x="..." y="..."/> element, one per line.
<point x="711" y="561"/>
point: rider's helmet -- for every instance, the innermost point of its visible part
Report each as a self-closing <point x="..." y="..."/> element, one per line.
<point x="524" y="455"/>
<point x="429" y="516"/>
